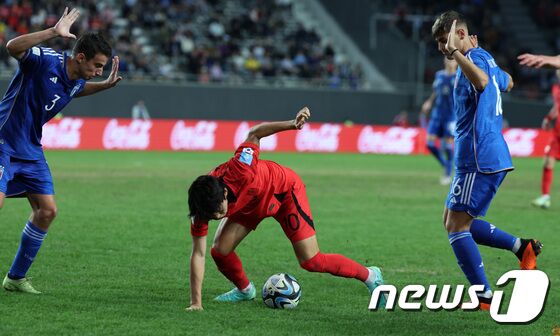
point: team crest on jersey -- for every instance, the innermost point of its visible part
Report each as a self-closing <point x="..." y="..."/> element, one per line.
<point x="76" y="88"/>
<point x="246" y="156"/>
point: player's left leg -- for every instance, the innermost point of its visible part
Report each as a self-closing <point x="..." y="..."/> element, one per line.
<point x="543" y="201"/>
<point x="35" y="180"/>
<point x="226" y="239"/>
<point x="35" y="231"/>
<point x="296" y="220"/>
<point x="447" y="143"/>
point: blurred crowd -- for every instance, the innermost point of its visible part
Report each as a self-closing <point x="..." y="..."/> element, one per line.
<point x="239" y="41"/>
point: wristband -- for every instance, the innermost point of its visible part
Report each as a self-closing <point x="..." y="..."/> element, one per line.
<point x="453" y="51"/>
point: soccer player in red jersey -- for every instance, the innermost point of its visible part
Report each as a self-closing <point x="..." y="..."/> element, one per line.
<point x="241" y="193"/>
<point x="552" y="152"/>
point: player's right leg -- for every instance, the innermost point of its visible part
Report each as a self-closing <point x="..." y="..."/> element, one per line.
<point x="543" y="201"/>
<point x="226" y="239"/>
<point x="431" y="144"/>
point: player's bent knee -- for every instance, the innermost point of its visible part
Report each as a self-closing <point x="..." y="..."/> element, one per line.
<point x="216" y="253"/>
<point x="47" y="214"/>
<point x="315" y="264"/>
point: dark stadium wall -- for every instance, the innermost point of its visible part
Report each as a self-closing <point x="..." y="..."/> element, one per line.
<point x="234" y="103"/>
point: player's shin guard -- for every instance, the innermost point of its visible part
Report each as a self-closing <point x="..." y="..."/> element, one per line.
<point x="231" y="267"/>
<point x="468" y="258"/>
<point x="547" y="175"/>
<point x="436" y="152"/>
<point x="336" y="264"/>
<point x="487" y="234"/>
<point x="31" y="239"/>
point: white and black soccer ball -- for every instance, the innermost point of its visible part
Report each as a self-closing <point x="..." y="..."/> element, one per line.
<point x="281" y="291"/>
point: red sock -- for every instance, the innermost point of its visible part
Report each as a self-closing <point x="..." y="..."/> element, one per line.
<point x="546" y="180"/>
<point x="230" y="266"/>
<point x="336" y="264"/>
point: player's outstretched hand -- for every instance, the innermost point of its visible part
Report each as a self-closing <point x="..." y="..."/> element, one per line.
<point x="62" y="27"/>
<point x="539" y="61"/>
<point x="301" y="118"/>
<point x="474" y="41"/>
<point x="452" y="38"/>
<point x="194" y="308"/>
<point x="114" y="77"/>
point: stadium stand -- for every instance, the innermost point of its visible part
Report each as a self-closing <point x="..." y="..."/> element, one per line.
<point x="239" y="42"/>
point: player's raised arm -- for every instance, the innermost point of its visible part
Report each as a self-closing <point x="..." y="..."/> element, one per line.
<point x="198" y="257"/>
<point x="474" y="74"/>
<point x="17" y="46"/>
<point x="539" y="61"/>
<point x="268" y="128"/>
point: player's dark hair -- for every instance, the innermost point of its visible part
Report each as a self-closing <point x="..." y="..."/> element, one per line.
<point x="91" y="44"/>
<point x="206" y="195"/>
<point x="443" y="23"/>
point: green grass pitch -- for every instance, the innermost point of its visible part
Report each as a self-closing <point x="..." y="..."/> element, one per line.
<point x="115" y="261"/>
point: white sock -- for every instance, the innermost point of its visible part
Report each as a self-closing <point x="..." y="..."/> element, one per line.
<point x="246" y="289"/>
<point x="516" y="246"/>
<point x="371" y="277"/>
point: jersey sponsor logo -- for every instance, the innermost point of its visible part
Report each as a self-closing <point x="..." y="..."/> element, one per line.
<point x="268" y="143"/>
<point x="53" y="79"/>
<point x="526" y="303"/>
<point x="66" y="134"/>
<point x="322" y="139"/>
<point x="394" y="140"/>
<point x="201" y="136"/>
<point x="134" y="135"/>
<point x="521" y="142"/>
<point x="246" y="156"/>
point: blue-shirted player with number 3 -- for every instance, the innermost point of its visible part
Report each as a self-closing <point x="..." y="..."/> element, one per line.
<point x="44" y="83"/>
<point x="482" y="157"/>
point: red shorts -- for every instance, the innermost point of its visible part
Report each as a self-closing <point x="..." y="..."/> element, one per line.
<point x="552" y="149"/>
<point x="291" y="209"/>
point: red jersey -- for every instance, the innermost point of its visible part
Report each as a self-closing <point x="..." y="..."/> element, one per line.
<point x="556" y="98"/>
<point x="253" y="183"/>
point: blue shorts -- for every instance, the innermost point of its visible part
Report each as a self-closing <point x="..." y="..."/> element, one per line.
<point x="441" y="128"/>
<point x="473" y="192"/>
<point x="18" y="177"/>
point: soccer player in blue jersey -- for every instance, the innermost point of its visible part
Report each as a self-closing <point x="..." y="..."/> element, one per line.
<point x="44" y="83"/>
<point x="482" y="157"/>
<point x="442" y="118"/>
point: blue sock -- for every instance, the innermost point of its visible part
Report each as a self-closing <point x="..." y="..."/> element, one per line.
<point x="31" y="240"/>
<point x="448" y="149"/>
<point x="468" y="258"/>
<point x="436" y="152"/>
<point x="487" y="234"/>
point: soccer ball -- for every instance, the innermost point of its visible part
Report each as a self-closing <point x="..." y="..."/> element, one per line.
<point x="281" y="291"/>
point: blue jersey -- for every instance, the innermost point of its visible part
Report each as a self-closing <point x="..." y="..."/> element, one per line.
<point x="38" y="91"/>
<point x="479" y="142"/>
<point x="443" y="104"/>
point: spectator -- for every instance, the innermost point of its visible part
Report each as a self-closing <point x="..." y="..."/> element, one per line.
<point x="140" y="111"/>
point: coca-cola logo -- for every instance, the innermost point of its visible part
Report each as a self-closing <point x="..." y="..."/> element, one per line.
<point x="395" y="140"/>
<point x="201" y="136"/>
<point x="521" y="142"/>
<point x="268" y="143"/>
<point x="65" y="134"/>
<point x="135" y="135"/>
<point x="323" y="139"/>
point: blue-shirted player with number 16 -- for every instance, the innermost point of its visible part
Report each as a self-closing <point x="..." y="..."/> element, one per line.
<point x="44" y="83"/>
<point x="482" y="157"/>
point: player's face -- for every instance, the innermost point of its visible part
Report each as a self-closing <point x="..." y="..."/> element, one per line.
<point x="223" y="208"/>
<point x="93" y="67"/>
<point x="441" y="42"/>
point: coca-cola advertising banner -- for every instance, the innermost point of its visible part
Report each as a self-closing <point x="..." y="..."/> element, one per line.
<point x="206" y="135"/>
